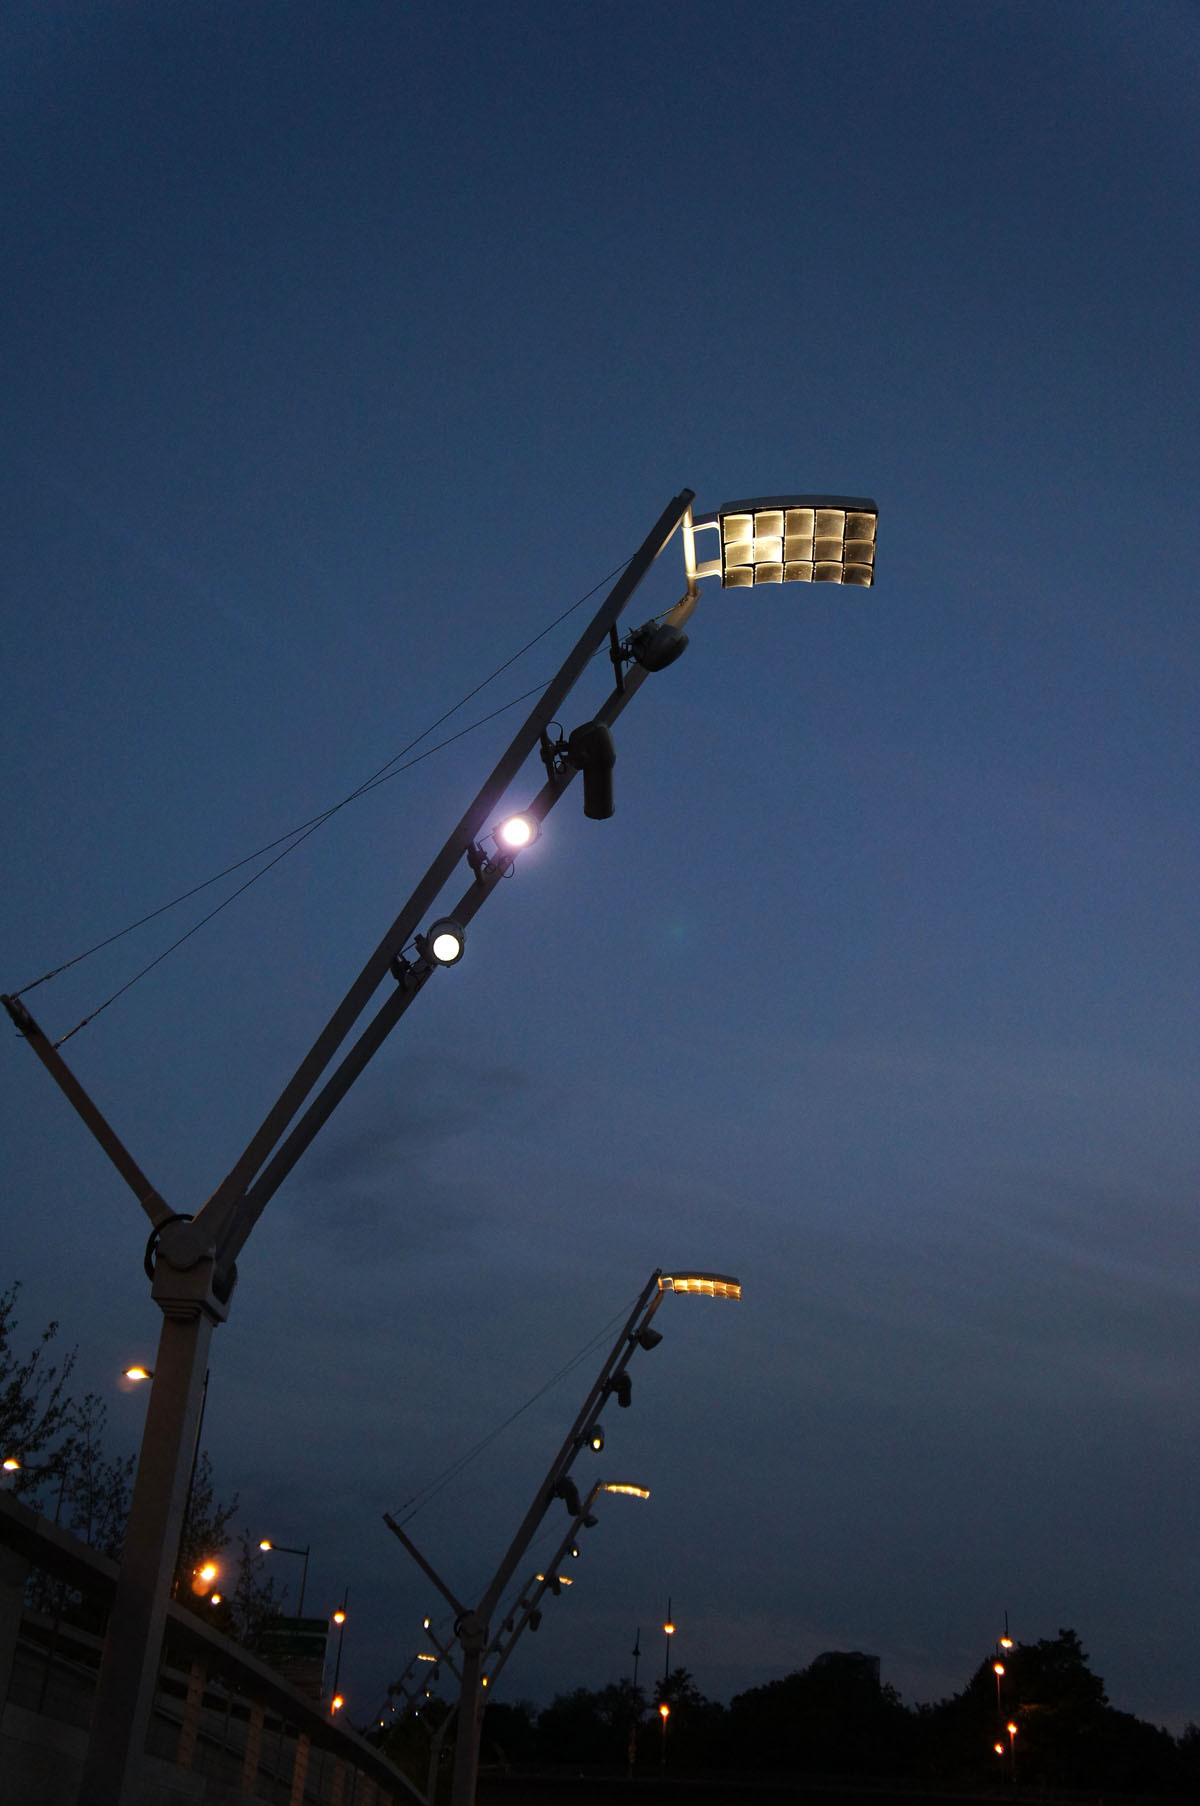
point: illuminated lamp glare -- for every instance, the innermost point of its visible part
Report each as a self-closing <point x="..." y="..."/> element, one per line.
<point x="444" y="943"/>
<point x="703" y="1285"/>
<point x="515" y="832"/>
<point x="626" y="1487"/>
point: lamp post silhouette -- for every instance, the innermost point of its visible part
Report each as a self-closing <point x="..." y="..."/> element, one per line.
<point x="473" y="1623"/>
<point x="191" y="1259"/>
<point x="270" y="1548"/>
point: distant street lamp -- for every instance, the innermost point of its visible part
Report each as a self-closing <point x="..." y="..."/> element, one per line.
<point x="13" y="1464"/>
<point x="191" y="1260"/>
<point x="270" y="1548"/>
<point x="339" y="1618"/>
<point x="664" y="1711"/>
<point x="473" y="1625"/>
<point x="668" y="1633"/>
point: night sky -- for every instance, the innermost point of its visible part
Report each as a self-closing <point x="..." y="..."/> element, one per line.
<point x="346" y="347"/>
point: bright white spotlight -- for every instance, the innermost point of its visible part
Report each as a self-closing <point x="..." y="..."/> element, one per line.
<point x="444" y="943"/>
<point x="515" y="832"/>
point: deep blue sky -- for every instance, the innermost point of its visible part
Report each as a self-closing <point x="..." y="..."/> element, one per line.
<point x="345" y="347"/>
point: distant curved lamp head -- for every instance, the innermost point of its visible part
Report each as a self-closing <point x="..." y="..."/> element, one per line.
<point x="702" y="1285"/>
<point x="138" y="1373"/>
<point x="789" y="539"/>
<point x="445" y="943"/>
<point x="627" y="1488"/>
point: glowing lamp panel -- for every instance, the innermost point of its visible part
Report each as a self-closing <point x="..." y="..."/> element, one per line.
<point x="701" y="1285"/>
<point x="798" y="543"/>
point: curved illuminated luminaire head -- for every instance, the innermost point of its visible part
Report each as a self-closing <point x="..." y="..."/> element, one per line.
<point x="790" y="539"/>
<point x="628" y="1488"/>
<point x="139" y="1373"/>
<point x="12" y="1465"/>
<point x="702" y="1285"/>
<point x="515" y="832"/>
<point x="444" y="944"/>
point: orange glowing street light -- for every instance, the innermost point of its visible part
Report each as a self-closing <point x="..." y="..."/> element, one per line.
<point x="270" y="1548"/>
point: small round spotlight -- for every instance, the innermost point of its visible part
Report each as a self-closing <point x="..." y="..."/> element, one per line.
<point x="515" y="832"/>
<point x="445" y="942"/>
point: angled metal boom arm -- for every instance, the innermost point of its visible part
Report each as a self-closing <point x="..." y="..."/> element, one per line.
<point x="229" y="1214"/>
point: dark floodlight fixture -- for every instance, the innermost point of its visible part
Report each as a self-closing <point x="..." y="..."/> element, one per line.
<point x="656" y="645"/>
<point x="622" y="1388"/>
<point x="445" y="943"/>
<point x="588" y="1521"/>
<point x="703" y="1285"/>
<point x="648" y="1338"/>
<point x="566" y="1490"/>
<point x="792" y="539"/>
<point x="591" y="751"/>
<point x="515" y="832"/>
<point x="535" y="1618"/>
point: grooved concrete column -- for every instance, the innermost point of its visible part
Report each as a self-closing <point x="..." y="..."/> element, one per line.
<point x="14" y="1571"/>
<point x="190" y="1727"/>
<point x="299" y="1770"/>
<point x="254" y="1731"/>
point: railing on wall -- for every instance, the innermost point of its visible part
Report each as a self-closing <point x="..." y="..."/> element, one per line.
<point x="220" y="1713"/>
